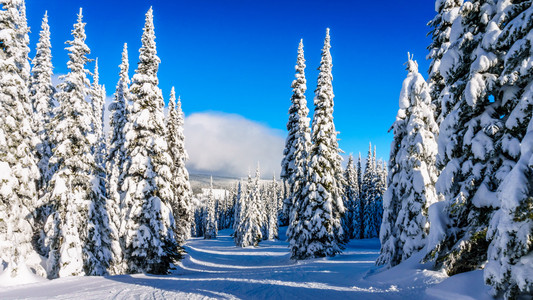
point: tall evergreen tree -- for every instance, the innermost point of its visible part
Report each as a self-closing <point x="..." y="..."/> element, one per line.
<point x="297" y="145"/>
<point x="210" y="220"/>
<point x="181" y="204"/>
<point x="42" y="97"/>
<point x="115" y="164"/>
<point x="321" y="209"/>
<point x="368" y="195"/>
<point x="98" y="95"/>
<point x="79" y="241"/>
<point x="350" y="220"/>
<point x="271" y="208"/>
<point x="511" y="228"/>
<point x="413" y="174"/>
<point x="447" y="12"/>
<point x="249" y="231"/>
<point x="469" y="140"/>
<point x="150" y="244"/>
<point x="18" y="194"/>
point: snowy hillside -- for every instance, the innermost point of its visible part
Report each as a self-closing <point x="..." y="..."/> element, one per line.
<point x="218" y="269"/>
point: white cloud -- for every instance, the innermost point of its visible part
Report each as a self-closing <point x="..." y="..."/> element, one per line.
<point x="230" y="145"/>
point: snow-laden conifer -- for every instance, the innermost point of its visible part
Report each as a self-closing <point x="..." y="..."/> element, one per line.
<point x="249" y="230"/>
<point x="413" y="173"/>
<point x="78" y="226"/>
<point x="239" y="207"/>
<point x="181" y="204"/>
<point x="271" y="208"/>
<point x="18" y="194"/>
<point x="350" y="220"/>
<point x="150" y="244"/>
<point x="368" y="195"/>
<point x="447" y="12"/>
<point x="297" y="145"/>
<point x="98" y="95"/>
<point x="511" y="228"/>
<point x="210" y="220"/>
<point x="469" y="141"/>
<point x="42" y="97"/>
<point x="509" y="265"/>
<point x="321" y="208"/>
<point x="115" y="164"/>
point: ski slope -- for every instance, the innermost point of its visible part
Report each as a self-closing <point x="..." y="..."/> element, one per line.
<point x="218" y="269"/>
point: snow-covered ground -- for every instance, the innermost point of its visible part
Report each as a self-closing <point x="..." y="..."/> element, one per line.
<point x="218" y="269"/>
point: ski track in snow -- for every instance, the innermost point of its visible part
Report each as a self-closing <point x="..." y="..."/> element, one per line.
<point x="220" y="270"/>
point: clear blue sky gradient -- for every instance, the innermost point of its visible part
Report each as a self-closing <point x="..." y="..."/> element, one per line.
<point x="238" y="56"/>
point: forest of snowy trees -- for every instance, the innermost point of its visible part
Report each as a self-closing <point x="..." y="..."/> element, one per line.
<point x="80" y="201"/>
<point x="460" y="170"/>
<point x="458" y="187"/>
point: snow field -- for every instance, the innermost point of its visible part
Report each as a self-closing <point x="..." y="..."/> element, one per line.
<point x="218" y="269"/>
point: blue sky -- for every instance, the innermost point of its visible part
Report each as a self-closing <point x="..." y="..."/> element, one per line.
<point x="238" y="56"/>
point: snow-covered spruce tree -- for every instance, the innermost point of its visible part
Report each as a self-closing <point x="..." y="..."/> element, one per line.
<point x="359" y="231"/>
<point x="413" y="173"/>
<point x="115" y="165"/>
<point x="18" y="194"/>
<point x="181" y="204"/>
<point x="511" y="228"/>
<point x="249" y="231"/>
<point x="210" y="220"/>
<point x="469" y="142"/>
<point x="380" y="189"/>
<point x="150" y="244"/>
<point x="271" y="208"/>
<point x="78" y="227"/>
<point x="368" y="195"/>
<point x="239" y="208"/>
<point x="98" y="95"/>
<point x="297" y="145"/>
<point x="350" y="220"/>
<point x="42" y="97"/>
<point x="447" y="12"/>
<point x="321" y="208"/>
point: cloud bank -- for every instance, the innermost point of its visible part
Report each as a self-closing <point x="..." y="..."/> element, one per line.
<point x="230" y="145"/>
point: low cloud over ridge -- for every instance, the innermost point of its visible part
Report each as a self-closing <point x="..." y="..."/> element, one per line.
<point x="230" y="145"/>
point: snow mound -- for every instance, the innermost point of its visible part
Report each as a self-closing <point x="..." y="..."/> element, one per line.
<point x="24" y="276"/>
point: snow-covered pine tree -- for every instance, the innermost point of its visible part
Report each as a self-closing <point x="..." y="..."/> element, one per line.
<point x="210" y="220"/>
<point x="18" y="194"/>
<point x="368" y="195"/>
<point x="42" y="97"/>
<point x="447" y="12"/>
<point x="511" y="228"/>
<point x="359" y="232"/>
<point x="380" y="184"/>
<point x="98" y="95"/>
<point x="78" y="226"/>
<point x="413" y="173"/>
<point x="321" y="208"/>
<point x="272" y="211"/>
<point x="469" y="140"/>
<point x="150" y="244"/>
<point x="249" y="230"/>
<point x="350" y="219"/>
<point x="181" y="205"/>
<point x="297" y="144"/>
<point x="115" y="165"/>
<point x="239" y="208"/>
